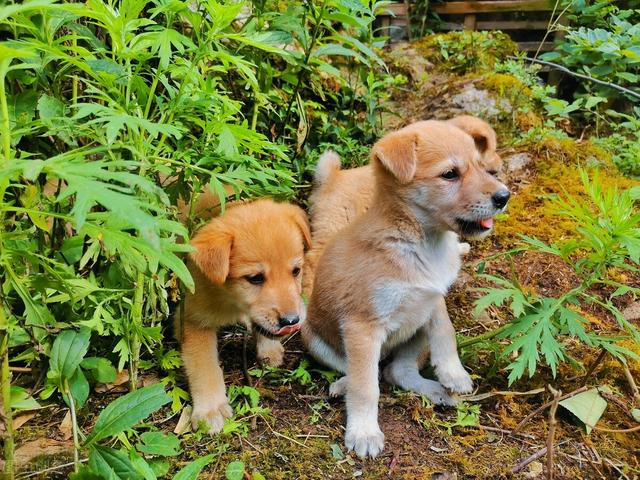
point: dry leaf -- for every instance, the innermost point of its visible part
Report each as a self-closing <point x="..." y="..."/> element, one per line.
<point x="22" y="418"/>
<point x="184" y="422"/>
<point x="37" y="448"/>
<point x="66" y="426"/>
<point x="149" y="379"/>
<point x="120" y="384"/>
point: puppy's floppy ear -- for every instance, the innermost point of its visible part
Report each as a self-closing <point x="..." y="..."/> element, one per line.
<point x="483" y="135"/>
<point x="396" y="152"/>
<point x="300" y="219"/>
<point x="213" y="251"/>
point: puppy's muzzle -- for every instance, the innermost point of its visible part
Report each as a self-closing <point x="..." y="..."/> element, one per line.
<point x="288" y="320"/>
<point x="500" y="198"/>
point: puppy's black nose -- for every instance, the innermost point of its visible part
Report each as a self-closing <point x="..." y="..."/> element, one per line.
<point x="288" y="320"/>
<point x="500" y="198"/>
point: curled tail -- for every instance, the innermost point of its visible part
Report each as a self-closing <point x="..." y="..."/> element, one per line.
<point x="328" y="164"/>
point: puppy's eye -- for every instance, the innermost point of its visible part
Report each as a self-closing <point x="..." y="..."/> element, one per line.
<point x="493" y="173"/>
<point x="450" y="174"/>
<point x="296" y="271"/>
<point x="257" y="279"/>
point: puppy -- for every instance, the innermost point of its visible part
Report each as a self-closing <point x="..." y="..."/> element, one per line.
<point x="380" y="283"/>
<point x="247" y="268"/>
<point x="339" y="196"/>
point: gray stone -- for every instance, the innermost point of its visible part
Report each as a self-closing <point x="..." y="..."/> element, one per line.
<point x="632" y="312"/>
<point x="479" y="102"/>
<point x="518" y="161"/>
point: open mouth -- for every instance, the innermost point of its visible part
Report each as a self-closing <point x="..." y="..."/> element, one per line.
<point x="289" y="329"/>
<point x="471" y="228"/>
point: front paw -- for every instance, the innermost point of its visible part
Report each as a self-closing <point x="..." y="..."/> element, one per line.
<point x="455" y="379"/>
<point x="213" y="417"/>
<point x="366" y="442"/>
<point x="271" y="354"/>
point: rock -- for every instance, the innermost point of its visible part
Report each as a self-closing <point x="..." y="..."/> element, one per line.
<point x="480" y="103"/>
<point x="444" y="476"/>
<point x="632" y="312"/>
<point x="535" y="470"/>
<point x="518" y="161"/>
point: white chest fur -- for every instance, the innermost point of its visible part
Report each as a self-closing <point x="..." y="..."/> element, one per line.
<point x="428" y="270"/>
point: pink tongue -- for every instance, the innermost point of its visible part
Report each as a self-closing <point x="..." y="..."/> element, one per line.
<point x="289" y="329"/>
<point x="486" y="223"/>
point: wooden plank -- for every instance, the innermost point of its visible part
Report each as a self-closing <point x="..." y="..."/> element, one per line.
<point x="494" y="6"/>
<point x="513" y="25"/>
<point x="398" y="9"/>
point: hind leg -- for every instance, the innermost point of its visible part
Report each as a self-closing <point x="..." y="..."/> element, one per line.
<point x="404" y="371"/>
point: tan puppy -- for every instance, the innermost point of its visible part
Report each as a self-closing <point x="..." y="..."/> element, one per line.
<point x="339" y="196"/>
<point x="247" y="268"/>
<point x="380" y="283"/>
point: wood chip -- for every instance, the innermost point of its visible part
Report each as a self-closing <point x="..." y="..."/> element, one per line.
<point x="184" y="422"/>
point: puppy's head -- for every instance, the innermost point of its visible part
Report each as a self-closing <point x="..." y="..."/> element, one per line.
<point x="256" y="250"/>
<point x="446" y="172"/>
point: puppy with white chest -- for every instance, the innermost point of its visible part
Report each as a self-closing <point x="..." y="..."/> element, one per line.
<point x="380" y="283"/>
<point x="247" y="269"/>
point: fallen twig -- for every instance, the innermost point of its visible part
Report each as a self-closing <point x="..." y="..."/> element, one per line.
<point x="612" y="430"/>
<point x="578" y="75"/>
<point x="278" y="434"/>
<point x="632" y="382"/>
<point x="505" y="431"/>
<point x="245" y="369"/>
<point x="51" y="469"/>
<point x="21" y="369"/>
<point x="619" y="403"/>
<point x="528" y="460"/>
<point x="483" y="396"/>
<point x="541" y="408"/>
<point x="593" y="366"/>
<point x="552" y="431"/>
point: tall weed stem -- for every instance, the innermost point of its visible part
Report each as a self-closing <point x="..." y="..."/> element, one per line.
<point x="5" y="379"/>
<point x="5" y="373"/>
<point x="136" y="317"/>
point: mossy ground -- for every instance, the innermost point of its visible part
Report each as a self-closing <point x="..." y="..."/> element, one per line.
<point x="288" y="445"/>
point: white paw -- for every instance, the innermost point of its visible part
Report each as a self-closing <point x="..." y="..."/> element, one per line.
<point x="212" y="417"/>
<point x="366" y="442"/>
<point x="464" y="248"/>
<point x="455" y="378"/>
<point x="272" y="355"/>
<point x="338" y="388"/>
<point x="436" y="393"/>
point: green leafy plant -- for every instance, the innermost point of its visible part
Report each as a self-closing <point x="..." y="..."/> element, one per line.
<point x="607" y="237"/>
<point x="111" y="113"/>
<point x="608" y="52"/>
